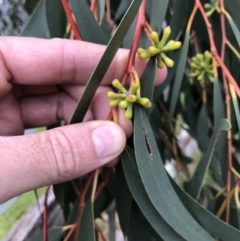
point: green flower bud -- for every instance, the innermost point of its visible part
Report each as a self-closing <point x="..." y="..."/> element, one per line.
<point x="144" y="55"/>
<point x="132" y="98"/>
<point x="201" y="76"/>
<point x="114" y="103"/>
<point x="153" y="50"/>
<point x="207" y="6"/>
<point x="144" y="102"/>
<point x="207" y="57"/>
<point x="160" y="63"/>
<point x="117" y="84"/>
<point x="210" y="12"/>
<point x="113" y="95"/>
<point x="128" y="113"/>
<point x="154" y="37"/>
<point x="166" y="34"/>
<point x="199" y="58"/>
<point x="123" y="104"/>
<point x="211" y="78"/>
<point x="140" y="50"/>
<point x="172" y="45"/>
<point x="169" y="62"/>
<point x="134" y="87"/>
<point x="194" y="65"/>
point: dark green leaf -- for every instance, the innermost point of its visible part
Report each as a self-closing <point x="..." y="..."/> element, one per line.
<point x="54" y="234"/>
<point x="122" y="9"/>
<point x="101" y="10"/>
<point x="123" y="199"/>
<point x="179" y="74"/>
<point x="218" y="104"/>
<point x="157" y="184"/>
<point x="86" y="23"/>
<point x="37" y="24"/>
<point x="235" y="106"/>
<point x="211" y="223"/>
<point x="179" y="18"/>
<point x="202" y="128"/>
<point x="235" y="30"/>
<point x="194" y="186"/>
<point x="147" y="80"/>
<point x="104" y="63"/>
<point x="86" y="229"/>
<point x="233" y="8"/>
<point x="133" y="178"/>
<point x="56" y="19"/>
<point x="158" y="11"/>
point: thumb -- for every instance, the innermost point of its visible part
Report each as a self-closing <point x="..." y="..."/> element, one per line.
<point x="58" y="155"/>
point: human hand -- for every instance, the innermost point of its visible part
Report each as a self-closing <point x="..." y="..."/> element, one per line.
<point x="40" y="84"/>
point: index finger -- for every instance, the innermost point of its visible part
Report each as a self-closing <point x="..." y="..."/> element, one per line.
<point x="32" y="61"/>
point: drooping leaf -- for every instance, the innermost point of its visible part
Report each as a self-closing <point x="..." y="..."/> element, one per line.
<point x="104" y="63"/>
<point x="158" y="11"/>
<point x="147" y="80"/>
<point x="86" y="229"/>
<point x="211" y="223"/>
<point x="54" y="234"/>
<point x="37" y="24"/>
<point x="235" y="30"/>
<point x="157" y="184"/>
<point x="136" y="186"/>
<point x="194" y="186"/>
<point x="122" y="8"/>
<point x="56" y="19"/>
<point x="123" y="199"/>
<point x="101" y="10"/>
<point x="179" y="74"/>
<point x="86" y="23"/>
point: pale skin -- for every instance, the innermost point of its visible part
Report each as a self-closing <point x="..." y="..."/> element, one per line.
<point x="40" y="84"/>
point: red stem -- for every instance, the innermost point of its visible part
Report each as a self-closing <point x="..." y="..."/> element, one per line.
<point x="214" y="50"/>
<point x="45" y="216"/>
<point x="93" y="5"/>
<point x="71" y="19"/>
<point x="141" y="20"/>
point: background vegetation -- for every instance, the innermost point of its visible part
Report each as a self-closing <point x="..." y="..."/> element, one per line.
<point x="199" y="97"/>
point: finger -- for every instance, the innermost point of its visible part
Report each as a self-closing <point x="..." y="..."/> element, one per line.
<point x="48" y="109"/>
<point x="32" y="61"/>
<point x="57" y="155"/>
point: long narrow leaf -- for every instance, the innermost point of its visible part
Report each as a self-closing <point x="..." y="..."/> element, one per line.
<point x="141" y="198"/>
<point x="157" y="184"/>
<point x="194" y="186"/>
<point x="104" y="63"/>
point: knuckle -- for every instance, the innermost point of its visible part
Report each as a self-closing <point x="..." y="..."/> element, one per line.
<point x="65" y="159"/>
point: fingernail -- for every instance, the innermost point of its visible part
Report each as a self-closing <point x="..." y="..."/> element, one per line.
<point x="106" y="141"/>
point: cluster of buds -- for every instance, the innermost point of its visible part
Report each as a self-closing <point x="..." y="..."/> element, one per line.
<point x="201" y="66"/>
<point x="211" y="8"/>
<point x="159" y="48"/>
<point x="126" y="98"/>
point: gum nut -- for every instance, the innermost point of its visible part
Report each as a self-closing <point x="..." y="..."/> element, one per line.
<point x="123" y="104"/>
<point x="160" y="63"/>
<point x="140" y="50"/>
<point x="113" y="103"/>
<point x="144" y="55"/>
<point x="153" y="50"/>
<point x="132" y="98"/>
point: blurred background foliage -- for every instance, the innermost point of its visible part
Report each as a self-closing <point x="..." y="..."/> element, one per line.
<point x="192" y="129"/>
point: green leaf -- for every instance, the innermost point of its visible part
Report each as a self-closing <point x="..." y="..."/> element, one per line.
<point x="158" y="11"/>
<point x="202" y="128"/>
<point x="86" y="23"/>
<point x="180" y="15"/>
<point x="147" y="80"/>
<point x="104" y="63"/>
<point x="123" y="199"/>
<point x="235" y="30"/>
<point x="179" y="74"/>
<point x="54" y="234"/>
<point x="211" y="223"/>
<point x="37" y="24"/>
<point x="56" y="18"/>
<point x="86" y="229"/>
<point x="235" y="106"/>
<point x="157" y="184"/>
<point x="194" y="186"/>
<point x="137" y="189"/>
<point x="122" y="9"/>
<point x="218" y="104"/>
<point x="101" y="10"/>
